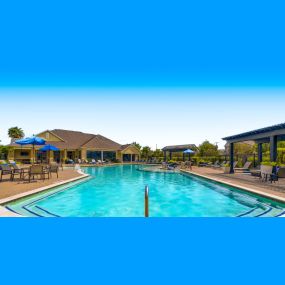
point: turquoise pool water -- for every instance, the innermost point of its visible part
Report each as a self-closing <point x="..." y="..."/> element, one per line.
<point x="119" y="192"/>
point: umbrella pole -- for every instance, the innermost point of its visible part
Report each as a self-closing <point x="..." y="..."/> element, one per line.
<point x="34" y="153"/>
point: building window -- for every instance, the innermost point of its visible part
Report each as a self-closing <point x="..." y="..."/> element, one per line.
<point x="24" y="153"/>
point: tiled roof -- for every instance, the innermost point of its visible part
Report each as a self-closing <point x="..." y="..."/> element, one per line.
<point x="77" y="140"/>
<point x="182" y="147"/>
<point x="256" y="132"/>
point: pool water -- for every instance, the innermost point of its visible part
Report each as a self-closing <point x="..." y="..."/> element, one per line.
<point x="118" y="191"/>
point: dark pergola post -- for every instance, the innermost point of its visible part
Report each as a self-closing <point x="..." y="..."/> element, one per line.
<point x="273" y="148"/>
<point x="260" y="153"/>
<point x="170" y="155"/>
<point x="183" y="156"/>
<point x="232" y="158"/>
<point x="164" y="154"/>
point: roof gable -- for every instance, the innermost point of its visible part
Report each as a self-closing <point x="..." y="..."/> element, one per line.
<point x="100" y="142"/>
<point x="49" y="136"/>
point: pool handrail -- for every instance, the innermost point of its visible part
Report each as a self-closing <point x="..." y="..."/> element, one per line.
<point x="146" y="208"/>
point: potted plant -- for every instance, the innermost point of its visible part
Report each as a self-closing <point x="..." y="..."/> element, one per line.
<point x="227" y="168"/>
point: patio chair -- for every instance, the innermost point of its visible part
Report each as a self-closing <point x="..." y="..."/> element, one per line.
<point x="266" y="172"/>
<point x="93" y="161"/>
<point x="279" y="175"/>
<point x="53" y="168"/>
<point x="6" y="170"/>
<point x="38" y="170"/>
<point x="17" y="171"/>
<point x="245" y="168"/>
<point x="188" y="164"/>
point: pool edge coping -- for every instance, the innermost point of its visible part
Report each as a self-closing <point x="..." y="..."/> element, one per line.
<point x="4" y="212"/>
<point x="244" y="188"/>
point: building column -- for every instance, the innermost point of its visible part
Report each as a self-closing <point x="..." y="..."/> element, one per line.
<point x="64" y="155"/>
<point x="83" y="154"/>
<point x="232" y="150"/>
<point x="102" y="155"/>
<point x="259" y="151"/>
<point x="273" y="148"/>
<point x="164" y="154"/>
<point x="170" y="155"/>
<point x="131" y="158"/>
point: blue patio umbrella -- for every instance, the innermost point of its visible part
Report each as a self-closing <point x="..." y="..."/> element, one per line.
<point x="48" y="148"/>
<point x="189" y="151"/>
<point x="31" y="141"/>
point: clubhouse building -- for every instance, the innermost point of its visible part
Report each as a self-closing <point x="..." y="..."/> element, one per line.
<point x="74" y="145"/>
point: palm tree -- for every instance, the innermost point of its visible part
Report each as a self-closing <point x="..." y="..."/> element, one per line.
<point x="16" y="133"/>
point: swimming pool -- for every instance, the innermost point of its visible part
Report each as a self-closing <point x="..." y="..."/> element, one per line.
<point x="118" y="191"/>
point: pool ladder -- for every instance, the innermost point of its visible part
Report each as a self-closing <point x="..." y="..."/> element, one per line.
<point x="146" y="208"/>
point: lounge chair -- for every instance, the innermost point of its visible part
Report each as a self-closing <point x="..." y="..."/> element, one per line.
<point x="245" y="168"/>
<point x="255" y="172"/>
<point x="93" y="161"/>
<point x="216" y="165"/>
<point x="38" y="170"/>
<point x="6" y="170"/>
<point x="101" y="161"/>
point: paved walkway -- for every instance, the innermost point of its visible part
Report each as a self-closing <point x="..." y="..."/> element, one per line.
<point x="247" y="182"/>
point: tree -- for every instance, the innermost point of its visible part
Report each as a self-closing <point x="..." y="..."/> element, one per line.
<point x="146" y="152"/>
<point x="16" y="133"/>
<point x="4" y="150"/>
<point x="158" y="153"/>
<point x="244" y="149"/>
<point x="207" y="149"/>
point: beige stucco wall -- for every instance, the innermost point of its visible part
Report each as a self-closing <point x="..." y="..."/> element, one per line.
<point x="49" y="137"/>
<point x="15" y="154"/>
<point x="131" y="150"/>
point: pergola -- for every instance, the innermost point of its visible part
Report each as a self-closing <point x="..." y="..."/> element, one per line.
<point x="270" y="135"/>
<point x="177" y="148"/>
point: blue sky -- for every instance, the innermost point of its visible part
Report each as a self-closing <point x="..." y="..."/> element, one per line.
<point x="159" y="72"/>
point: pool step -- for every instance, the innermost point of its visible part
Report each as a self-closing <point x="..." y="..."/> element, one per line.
<point x="23" y="211"/>
<point x="266" y="213"/>
<point x="43" y="212"/>
<point x="275" y="212"/>
<point x="252" y="213"/>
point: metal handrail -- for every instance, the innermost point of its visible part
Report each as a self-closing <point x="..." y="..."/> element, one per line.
<point x="146" y="208"/>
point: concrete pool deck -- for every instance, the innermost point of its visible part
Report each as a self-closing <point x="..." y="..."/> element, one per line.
<point x="10" y="191"/>
<point x="273" y="191"/>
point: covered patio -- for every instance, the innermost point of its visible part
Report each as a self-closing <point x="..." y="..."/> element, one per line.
<point x="271" y="135"/>
<point x="169" y="150"/>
